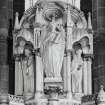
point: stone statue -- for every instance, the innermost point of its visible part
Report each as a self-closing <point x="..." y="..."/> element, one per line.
<point x="52" y="48"/>
<point x="77" y="69"/>
<point x="24" y="67"/>
<point x="28" y="71"/>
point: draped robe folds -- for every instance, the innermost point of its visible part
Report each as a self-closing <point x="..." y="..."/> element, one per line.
<point x="24" y="73"/>
<point x="24" y="77"/>
<point x="52" y="51"/>
<point x="77" y="69"/>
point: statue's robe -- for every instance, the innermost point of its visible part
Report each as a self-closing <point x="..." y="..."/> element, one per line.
<point x="77" y="74"/>
<point x="24" y="83"/>
<point x="52" y="52"/>
<point x="24" y="77"/>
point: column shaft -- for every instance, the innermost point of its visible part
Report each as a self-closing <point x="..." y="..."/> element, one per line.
<point x="89" y="73"/>
<point x="65" y="73"/>
<point x="39" y="77"/>
<point x="69" y="74"/>
<point x="85" y="78"/>
<point x="3" y="53"/>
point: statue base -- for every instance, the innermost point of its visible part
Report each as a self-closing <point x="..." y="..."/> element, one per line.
<point x="53" y="79"/>
<point x="53" y="82"/>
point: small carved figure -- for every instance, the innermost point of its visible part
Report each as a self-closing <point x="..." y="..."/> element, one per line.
<point x="28" y="71"/>
<point x="77" y="69"/>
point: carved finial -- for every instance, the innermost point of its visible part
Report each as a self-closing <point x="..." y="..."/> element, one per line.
<point x="84" y="20"/>
<point x="37" y="13"/>
<point x="17" y="26"/>
<point x="102" y="87"/>
<point x="17" y="23"/>
<point x="89" y="21"/>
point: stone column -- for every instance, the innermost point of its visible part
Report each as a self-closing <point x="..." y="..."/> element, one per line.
<point x="68" y="76"/>
<point x="68" y="51"/>
<point x="39" y="76"/>
<point x="65" y="72"/>
<point x="3" y="53"/>
<point x="89" y="76"/>
<point x="85" y="85"/>
<point x="38" y="64"/>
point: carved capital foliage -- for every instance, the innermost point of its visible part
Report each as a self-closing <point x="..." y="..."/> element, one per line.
<point x="90" y="31"/>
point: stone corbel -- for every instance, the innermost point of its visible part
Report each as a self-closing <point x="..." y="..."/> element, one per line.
<point x="18" y="24"/>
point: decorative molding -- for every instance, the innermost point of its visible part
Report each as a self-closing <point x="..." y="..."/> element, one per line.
<point x="16" y="99"/>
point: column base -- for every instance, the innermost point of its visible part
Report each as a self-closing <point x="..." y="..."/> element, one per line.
<point x="69" y="95"/>
<point x="4" y="99"/>
<point x="38" y="95"/>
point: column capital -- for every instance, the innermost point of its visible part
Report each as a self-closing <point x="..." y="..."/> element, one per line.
<point x="68" y="52"/>
<point x="88" y="57"/>
<point x="36" y="52"/>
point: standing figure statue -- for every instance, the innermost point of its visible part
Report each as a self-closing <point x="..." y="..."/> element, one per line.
<point x="52" y="48"/>
<point x="28" y="71"/>
<point x="77" y="69"/>
<point x="24" y="67"/>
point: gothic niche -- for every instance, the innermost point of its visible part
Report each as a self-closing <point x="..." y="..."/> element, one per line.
<point x="53" y="47"/>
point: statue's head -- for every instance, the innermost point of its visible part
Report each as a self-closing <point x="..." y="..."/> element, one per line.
<point x="77" y="48"/>
<point x="59" y="25"/>
<point x="28" y="48"/>
<point x="21" y="41"/>
<point x="84" y="42"/>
